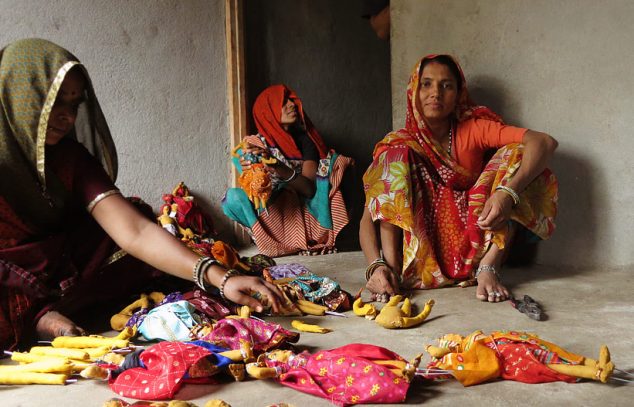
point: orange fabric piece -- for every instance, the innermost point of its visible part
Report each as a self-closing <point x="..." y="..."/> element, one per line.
<point x="476" y="136"/>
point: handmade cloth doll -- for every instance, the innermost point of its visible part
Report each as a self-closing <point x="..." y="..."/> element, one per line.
<point x="391" y="315"/>
<point x="515" y="356"/>
<point x="183" y="218"/>
<point x="158" y="372"/>
<point x="187" y="213"/>
<point x="140" y="306"/>
<point x="352" y="374"/>
<point x="255" y="181"/>
<point x="210" y="308"/>
<point x="115" y="402"/>
<point x="299" y="283"/>
<point x="170" y="321"/>
<point x="133" y="314"/>
<point x="263" y="336"/>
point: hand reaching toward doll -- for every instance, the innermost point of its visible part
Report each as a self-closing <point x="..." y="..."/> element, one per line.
<point x="239" y="288"/>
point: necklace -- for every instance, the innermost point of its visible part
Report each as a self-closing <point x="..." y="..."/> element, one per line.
<point x="450" y="139"/>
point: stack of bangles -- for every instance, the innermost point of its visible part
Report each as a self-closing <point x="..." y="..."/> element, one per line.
<point x="510" y="192"/>
<point x="375" y="265"/>
<point x="201" y="266"/>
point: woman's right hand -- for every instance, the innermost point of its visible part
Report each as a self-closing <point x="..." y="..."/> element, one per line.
<point x="239" y="289"/>
<point x="251" y="149"/>
<point x="382" y="284"/>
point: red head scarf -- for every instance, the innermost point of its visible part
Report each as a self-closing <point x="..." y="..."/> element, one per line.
<point x="267" y="113"/>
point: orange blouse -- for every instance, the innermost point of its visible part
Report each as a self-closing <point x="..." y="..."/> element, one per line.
<point x="476" y="136"/>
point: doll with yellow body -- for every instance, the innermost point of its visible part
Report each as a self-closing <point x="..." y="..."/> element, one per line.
<point x="391" y="315"/>
<point x="512" y="355"/>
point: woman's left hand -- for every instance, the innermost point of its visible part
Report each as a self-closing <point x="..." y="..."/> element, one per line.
<point x="496" y="211"/>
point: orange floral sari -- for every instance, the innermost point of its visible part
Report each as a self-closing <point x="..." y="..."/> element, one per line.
<point x="416" y="185"/>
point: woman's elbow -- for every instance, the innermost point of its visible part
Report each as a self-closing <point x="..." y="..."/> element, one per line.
<point x="546" y="142"/>
<point x="550" y="142"/>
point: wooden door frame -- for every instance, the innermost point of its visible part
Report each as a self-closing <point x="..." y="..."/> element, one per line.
<point x="236" y="88"/>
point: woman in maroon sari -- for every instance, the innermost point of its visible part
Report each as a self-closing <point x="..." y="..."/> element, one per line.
<point x="62" y="220"/>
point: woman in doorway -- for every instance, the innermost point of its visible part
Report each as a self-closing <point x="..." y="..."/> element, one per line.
<point x="436" y="212"/>
<point x="306" y="210"/>
<point x="62" y="220"/>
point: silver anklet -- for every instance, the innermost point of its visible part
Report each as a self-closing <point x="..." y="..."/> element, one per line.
<point x="487" y="268"/>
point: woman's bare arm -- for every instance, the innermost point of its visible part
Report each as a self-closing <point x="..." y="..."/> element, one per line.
<point x="148" y="242"/>
<point x="538" y="150"/>
<point x="304" y="184"/>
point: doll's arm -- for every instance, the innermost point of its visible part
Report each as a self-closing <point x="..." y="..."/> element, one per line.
<point x="418" y="319"/>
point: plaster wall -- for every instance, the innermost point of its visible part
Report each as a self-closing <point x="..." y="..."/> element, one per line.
<point x="561" y="67"/>
<point x="158" y="68"/>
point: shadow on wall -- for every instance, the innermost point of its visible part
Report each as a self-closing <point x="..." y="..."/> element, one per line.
<point x="491" y="92"/>
<point x="575" y="240"/>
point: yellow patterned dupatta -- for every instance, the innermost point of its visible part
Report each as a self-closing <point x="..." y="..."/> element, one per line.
<point x="415" y="184"/>
<point x="31" y="73"/>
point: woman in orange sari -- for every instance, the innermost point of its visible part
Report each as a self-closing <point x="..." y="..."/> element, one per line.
<point x="436" y="213"/>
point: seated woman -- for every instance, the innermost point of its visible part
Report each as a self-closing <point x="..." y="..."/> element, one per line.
<point x="61" y="217"/>
<point x="434" y="213"/>
<point x="306" y="210"/>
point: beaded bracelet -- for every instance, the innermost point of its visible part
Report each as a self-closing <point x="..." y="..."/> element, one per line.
<point x="199" y="271"/>
<point x="230" y="273"/>
<point x="511" y="192"/>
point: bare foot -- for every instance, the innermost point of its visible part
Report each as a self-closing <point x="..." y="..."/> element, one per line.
<point x="382" y="284"/>
<point x="489" y="287"/>
<point x="53" y="324"/>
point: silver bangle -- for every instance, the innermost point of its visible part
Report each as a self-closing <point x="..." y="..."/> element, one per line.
<point x="201" y="266"/>
<point x="294" y="175"/>
<point x="230" y="273"/>
<point x="511" y="192"/>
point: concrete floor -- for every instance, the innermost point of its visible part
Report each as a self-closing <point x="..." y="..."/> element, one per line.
<point x="585" y="308"/>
